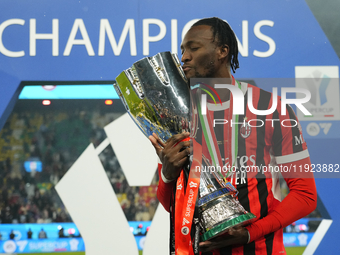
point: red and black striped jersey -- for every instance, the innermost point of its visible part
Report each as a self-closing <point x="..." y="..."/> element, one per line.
<point x="261" y="142"/>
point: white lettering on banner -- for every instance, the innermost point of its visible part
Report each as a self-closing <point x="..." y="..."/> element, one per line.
<point x="54" y="37"/>
<point x="22" y="244"/>
<point x="146" y="36"/>
<point x="3" y="50"/>
<point x="325" y="127"/>
<point x="79" y="25"/>
<point x="174" y="38"/>
<point x="47" y="246"/>
<point x="244" y="48"/>
<point x="267" y="39"/>
<point x="320" y="110"/>
<point x="187" y="26"/>
<point x="105" y="29"/>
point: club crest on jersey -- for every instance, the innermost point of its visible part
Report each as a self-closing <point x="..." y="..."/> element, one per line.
<point x="245" y="130"/>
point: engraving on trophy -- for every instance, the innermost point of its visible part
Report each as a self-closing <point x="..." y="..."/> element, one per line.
<point x="132" y="76"/>
<point x="157" y="63"/>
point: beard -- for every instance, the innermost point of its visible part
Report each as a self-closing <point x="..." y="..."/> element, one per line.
<point x="209" y="71"/>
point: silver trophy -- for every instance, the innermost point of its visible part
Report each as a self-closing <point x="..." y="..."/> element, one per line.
<point x="155" y="93"/>
<point x="219" y="209"/>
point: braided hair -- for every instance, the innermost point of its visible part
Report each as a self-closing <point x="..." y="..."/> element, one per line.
<point x="225" y="35"/>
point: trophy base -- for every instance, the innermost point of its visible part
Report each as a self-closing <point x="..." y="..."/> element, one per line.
<point x="224" y="226"/>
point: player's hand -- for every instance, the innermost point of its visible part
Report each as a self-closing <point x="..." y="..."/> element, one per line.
<point x="173" y="154"/>
<point x="236" y="236"/>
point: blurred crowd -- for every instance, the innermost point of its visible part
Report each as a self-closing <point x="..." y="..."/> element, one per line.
<point x="56" y="139"/>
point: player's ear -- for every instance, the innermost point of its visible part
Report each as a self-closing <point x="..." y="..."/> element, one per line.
<point x="223" y="52"/>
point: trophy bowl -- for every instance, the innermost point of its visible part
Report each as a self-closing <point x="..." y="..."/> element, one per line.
<point x="155" y="93"/>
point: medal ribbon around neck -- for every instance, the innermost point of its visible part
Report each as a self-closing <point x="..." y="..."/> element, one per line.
<point x="186" y="198"/>
<point x="210" y="138"/>
<point x="185" y="203"/>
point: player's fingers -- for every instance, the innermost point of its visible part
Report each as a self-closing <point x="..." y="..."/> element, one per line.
<point x="204" y="246"/>
<point x="179" y="151"/>
<point x="158" y="139"/>
<point x="211" y="245"/>
<point x="232" y="231"/>
<point x="185" y="152"/>
<point x="177" y="138"/>
<point x="156" y="145"/>
<point x="182" y="159"/>
<point x="182" y="145"/>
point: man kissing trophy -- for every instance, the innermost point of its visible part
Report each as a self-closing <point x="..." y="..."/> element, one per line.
<point x="156" y="95"/>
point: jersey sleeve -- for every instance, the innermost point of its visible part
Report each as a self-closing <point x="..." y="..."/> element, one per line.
<point x="290" y="151"/>
<point x="164" y="190"/>
<point x="300" y="201"/>
<point x="288" y="143"/>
